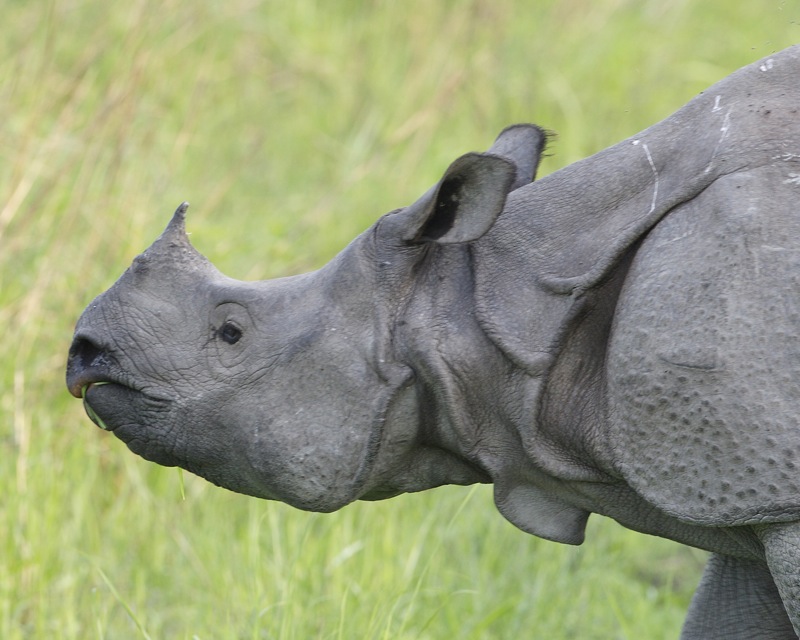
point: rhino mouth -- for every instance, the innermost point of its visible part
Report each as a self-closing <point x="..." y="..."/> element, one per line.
<point x="129" y="414"/>
<point x="110" y="401"/>
<point x="89" y="377"/>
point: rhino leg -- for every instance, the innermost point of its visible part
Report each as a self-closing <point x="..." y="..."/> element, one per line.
<point x="737" y="598"/>
<point x="782" y="548"/>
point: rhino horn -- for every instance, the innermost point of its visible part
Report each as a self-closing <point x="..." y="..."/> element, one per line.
<point x="174" y="236"/>
<point x="172" y="247"/>
<point x="177" y="225"/>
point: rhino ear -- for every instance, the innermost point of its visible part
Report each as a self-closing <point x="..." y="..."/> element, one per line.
<point x="523" y="145"/>
<point x="465" y="203"/>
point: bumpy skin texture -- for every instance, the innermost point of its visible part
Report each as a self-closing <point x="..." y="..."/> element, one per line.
<point x="712" y="443"/>
<point x="621" y="337"/>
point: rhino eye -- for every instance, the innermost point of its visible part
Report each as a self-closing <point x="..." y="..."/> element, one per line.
<point x="230" y="333"/>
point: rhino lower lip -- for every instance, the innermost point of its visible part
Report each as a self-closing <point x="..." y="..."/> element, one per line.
<point x="94" y="417"/>
<point x="88" y="408"/>
<point x="105" y="408"/>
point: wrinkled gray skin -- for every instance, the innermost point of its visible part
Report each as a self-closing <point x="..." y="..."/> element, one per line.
<point x="621" y="337"/>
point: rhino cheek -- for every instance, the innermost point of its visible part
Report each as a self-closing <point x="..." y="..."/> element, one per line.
<point x="320" y="455"/>
<point x="309" y="465"/>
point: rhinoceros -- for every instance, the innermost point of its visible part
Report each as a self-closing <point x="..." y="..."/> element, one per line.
<point x="620" y="337"/>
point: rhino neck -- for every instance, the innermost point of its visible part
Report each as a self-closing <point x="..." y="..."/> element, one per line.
<point x="468" y="400"/>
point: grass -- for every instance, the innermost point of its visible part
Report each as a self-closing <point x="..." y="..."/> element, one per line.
<point x="291" y="126"/>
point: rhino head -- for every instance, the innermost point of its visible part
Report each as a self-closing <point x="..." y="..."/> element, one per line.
<point x="316" y="389"/>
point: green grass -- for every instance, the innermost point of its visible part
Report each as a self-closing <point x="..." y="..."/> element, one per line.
<point x="291" y="126"/>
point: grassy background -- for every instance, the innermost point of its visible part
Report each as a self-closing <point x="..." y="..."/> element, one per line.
<point x="291" y="126"/>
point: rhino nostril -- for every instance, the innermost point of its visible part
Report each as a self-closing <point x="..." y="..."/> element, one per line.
<point x="86" y="354"/>
<point x="88" y="363"/>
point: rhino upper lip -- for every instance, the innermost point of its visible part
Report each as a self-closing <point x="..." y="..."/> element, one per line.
<point x="85" y="389"/>
<point x="89" y="378"/>
<point x="87" y="386"/>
